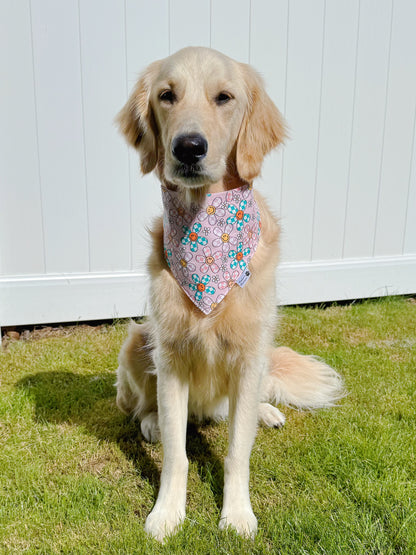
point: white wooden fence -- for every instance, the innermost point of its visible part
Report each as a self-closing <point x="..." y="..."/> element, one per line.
<point x="73" y="207"/>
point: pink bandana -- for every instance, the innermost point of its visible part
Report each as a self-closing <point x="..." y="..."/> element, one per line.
<point x="208" y="247"/>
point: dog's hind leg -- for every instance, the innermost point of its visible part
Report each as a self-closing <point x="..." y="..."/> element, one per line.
<point x="136" y="380"/>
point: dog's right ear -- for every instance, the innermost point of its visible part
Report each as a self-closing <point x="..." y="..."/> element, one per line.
<point x="136" y="120"/>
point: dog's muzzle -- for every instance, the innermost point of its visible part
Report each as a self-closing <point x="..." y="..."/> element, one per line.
<point x="189" y="149"/>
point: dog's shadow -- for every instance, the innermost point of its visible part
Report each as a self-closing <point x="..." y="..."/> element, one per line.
<point x="89" y="401"/>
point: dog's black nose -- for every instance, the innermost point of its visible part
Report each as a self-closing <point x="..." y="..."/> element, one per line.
<point x="189" y="149"/>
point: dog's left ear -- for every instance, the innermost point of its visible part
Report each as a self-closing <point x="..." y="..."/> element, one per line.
<point x="263" y="127"/>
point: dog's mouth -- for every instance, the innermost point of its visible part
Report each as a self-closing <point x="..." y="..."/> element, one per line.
<point x="191" y="175"/>
<point x="188" y="171"/>
<point x="188" y="176"/>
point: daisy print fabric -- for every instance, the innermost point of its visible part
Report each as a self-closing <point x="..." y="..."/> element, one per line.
<point x="209" y="246"/>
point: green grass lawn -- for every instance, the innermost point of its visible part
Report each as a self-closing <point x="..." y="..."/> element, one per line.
<point x="76" y="477"/>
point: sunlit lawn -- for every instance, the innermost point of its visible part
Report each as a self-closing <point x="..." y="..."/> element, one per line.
<point x="76" y="476"/>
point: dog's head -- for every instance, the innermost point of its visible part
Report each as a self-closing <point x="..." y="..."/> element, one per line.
<point x="198" y="115"/>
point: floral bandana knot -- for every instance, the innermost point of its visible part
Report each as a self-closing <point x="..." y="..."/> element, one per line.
<point x="209" y="246"/>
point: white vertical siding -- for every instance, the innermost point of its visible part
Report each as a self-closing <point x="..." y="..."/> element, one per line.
<point x="60" y="112"/>
<point x="73" y="206"/>
<point x="335" y="127"/>
<point x="302" y="110"/>
<point x="21" y="214"/>
<point x="106" y="161"/>
<point x="409" y="243"/>
<point x="230" y="28"/>
<point x="398" y="132"/>
<point x="268" y="53"/>
<point x="368" y="126"/>
<point x="189" y="24"/>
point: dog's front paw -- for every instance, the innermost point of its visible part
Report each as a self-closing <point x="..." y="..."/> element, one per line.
<point x="242" y="520"/>
<point x="161" y="523"/>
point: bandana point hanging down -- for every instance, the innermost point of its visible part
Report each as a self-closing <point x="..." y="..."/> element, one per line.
<point x="208" y="247"/>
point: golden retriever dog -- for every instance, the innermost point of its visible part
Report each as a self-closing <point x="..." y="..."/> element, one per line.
<point x="203" y="122"/>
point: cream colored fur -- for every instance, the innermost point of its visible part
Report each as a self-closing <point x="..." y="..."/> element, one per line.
<point x="182" y="362"/>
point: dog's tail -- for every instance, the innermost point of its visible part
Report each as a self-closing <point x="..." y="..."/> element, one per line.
<point x="302" y="381"/>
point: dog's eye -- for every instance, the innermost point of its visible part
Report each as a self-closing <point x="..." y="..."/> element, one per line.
<point x="223" y="98"/>
<point x="167" y="96"/>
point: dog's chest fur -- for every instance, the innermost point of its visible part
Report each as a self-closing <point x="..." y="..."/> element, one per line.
<point x="211" y="348"/>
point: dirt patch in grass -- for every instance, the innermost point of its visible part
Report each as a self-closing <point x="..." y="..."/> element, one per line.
<point x="10" y="335"/>
<point x="360" y="336"/>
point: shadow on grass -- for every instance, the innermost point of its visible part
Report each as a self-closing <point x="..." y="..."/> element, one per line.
<point x="89" y="402"/>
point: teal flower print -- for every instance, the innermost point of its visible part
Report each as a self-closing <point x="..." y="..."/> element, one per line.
<point x="238" y="257"/>
<point x="238" y="215"/>
<point x="200" y="286"/>
<point x="192" y="237"/>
